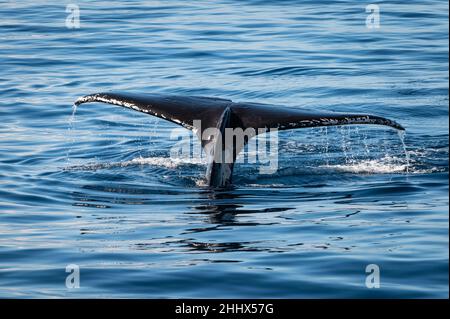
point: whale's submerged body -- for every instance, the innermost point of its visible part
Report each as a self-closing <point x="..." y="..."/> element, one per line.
<point x="212" y="118"/>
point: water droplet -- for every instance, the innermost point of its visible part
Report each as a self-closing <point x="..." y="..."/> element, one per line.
<point x="69" y="132"/>
<point x="401" y="135"/>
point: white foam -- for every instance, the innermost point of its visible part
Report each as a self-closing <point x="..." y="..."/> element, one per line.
<point x="369" y="167"/>
<point x="166" y="162"/>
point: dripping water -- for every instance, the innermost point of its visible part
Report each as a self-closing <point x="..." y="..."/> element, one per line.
<point x="366" y="145"/>
<point x="401" y="135"/>
<point x="327" y="155"/>
<point x="69" y="132"/>
<point x="346" y="144"/>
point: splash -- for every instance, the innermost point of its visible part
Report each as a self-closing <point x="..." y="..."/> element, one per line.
<point x="385" y="165"/>
<point x="354" y="155"/>
<point x="166" y="162"/>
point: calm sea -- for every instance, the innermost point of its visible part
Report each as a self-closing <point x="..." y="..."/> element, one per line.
<point x="99" y="189"/>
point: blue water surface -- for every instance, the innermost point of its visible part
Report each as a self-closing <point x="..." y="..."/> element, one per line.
<point x="100" y="189"/>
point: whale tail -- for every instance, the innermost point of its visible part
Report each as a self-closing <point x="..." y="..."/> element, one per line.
<point x="212" y="118"/>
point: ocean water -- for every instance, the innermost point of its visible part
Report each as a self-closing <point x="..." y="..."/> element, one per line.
<point x="98" y="188"/>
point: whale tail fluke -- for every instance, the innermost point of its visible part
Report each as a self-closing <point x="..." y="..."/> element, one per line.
<point x="203" y="113"/>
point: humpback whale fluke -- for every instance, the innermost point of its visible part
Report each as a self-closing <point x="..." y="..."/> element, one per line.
<point x="222" y="114"/>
